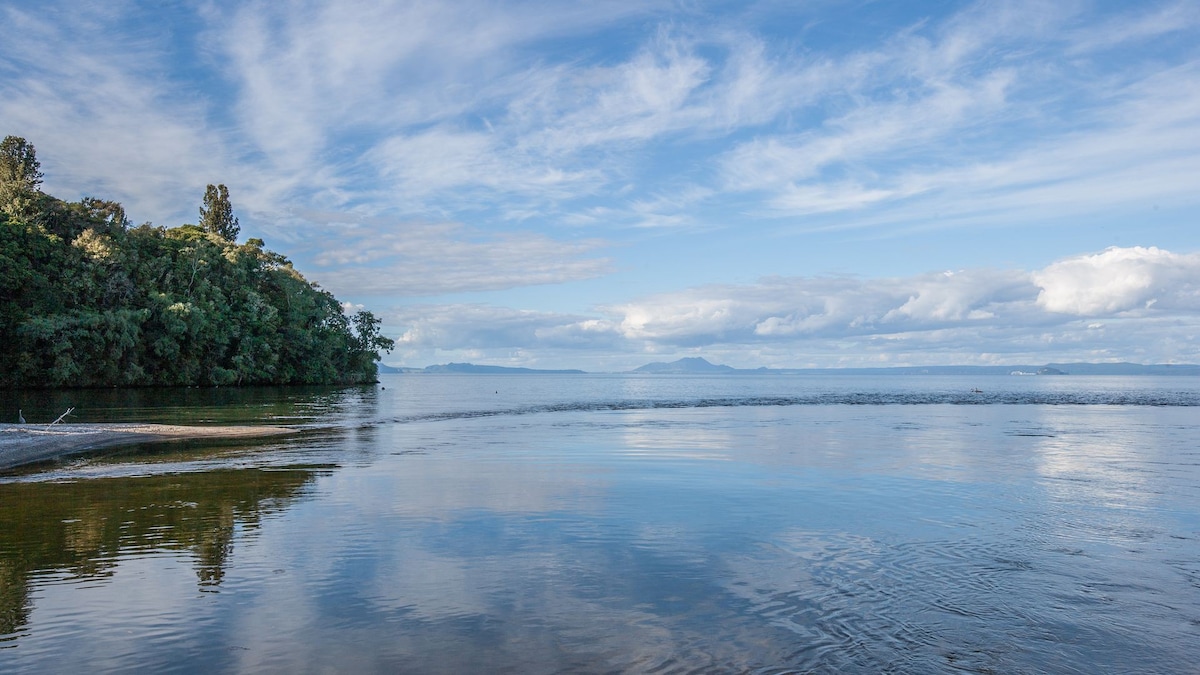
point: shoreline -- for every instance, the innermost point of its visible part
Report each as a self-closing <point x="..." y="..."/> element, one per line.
<point x="24" y="444"/>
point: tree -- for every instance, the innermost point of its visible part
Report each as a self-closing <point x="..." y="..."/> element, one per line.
<point x="20" y="175"/>
<point x="19" y="164"/>
<point x="216" y="215"/>
<point x="366" y="344"/>
<point x="110" y="212"/>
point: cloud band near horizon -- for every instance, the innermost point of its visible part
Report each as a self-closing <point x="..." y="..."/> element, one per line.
<point x="1121" y="303"/>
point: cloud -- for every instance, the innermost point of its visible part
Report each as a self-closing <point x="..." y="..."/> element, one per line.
<point x="1121" y="280"/>
<point x="964" y="121"/>
<point x="479" y="333"/>
<point x="308" y="70"/>
<point x="554" y="133"/>
<point x="486" y="327"/>
<point x="475" y="166"/>
<point x="104" y="116"/>
<point x="783" y="309"/>
<point x="1148" y="300"/>
<point x="1111" y="283"/>
<point x="416" y="259"/>
<point x="1142" y="25"/>
<point x="524" y="111"/>
<point x="451" y="110"/>
<point x="866" y="131"/>
<point x="413" y="102"/>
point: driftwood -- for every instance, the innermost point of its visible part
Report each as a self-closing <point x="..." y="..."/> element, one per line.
<point x="60" y="417"/>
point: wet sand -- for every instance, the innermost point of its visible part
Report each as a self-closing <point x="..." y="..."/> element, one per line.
<point x="22" y="444"/>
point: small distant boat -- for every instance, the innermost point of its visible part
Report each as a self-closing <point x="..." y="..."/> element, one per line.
<point x="976" y="391"/>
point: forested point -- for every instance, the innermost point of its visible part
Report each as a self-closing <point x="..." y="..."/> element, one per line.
<point x="88" y="301"/>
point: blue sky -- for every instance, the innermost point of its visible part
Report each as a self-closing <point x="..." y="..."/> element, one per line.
<point x="598" y="185"/>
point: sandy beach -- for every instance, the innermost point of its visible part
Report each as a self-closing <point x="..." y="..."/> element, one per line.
<point x="22" y="444"/>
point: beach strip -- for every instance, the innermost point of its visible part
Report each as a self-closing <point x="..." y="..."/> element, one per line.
<point x="22" y="444"/>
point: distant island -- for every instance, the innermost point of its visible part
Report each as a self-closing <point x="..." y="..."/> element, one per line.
<point x="690" y="365"/>
<point x="700" y="366"/>
<point x="86" y="300"/>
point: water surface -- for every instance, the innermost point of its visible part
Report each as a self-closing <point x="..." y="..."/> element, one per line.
<point x="539" y="524"/>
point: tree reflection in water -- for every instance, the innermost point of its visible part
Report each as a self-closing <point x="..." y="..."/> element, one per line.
<point x="84" y="528"/>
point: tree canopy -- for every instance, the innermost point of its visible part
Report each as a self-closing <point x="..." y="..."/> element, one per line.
<point x="87" y="300"/>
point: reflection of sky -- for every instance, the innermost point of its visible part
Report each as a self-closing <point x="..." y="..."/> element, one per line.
<point x="789" y="542"/>
<point x="828" y="537"/>
<point x="107" y="623"/>
<point x="690" y="434"/>
<point x="1095" y="458"/>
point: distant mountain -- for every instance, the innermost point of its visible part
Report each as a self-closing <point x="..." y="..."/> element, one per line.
<point x="471" y="368"/>
<point x="692" y="365"/>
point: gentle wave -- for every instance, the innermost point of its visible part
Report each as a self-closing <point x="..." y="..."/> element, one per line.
<point x="1103" y="398"/>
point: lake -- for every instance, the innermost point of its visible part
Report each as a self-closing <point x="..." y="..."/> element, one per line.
<point x="619" y="523"/>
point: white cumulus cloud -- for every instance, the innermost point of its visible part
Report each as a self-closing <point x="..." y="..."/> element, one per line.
<point x="1121" y="280"/>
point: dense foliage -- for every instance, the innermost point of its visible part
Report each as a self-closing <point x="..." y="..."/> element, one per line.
<point x="86" y="300"/>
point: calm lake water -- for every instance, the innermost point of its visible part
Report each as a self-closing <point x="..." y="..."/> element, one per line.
<point x="605" y="523"/>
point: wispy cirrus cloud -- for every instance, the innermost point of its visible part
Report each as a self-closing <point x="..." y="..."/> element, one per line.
<point x="1135" y="26"/>
<point x="980" y="127"/>
<point x="105" y="116"/>
<point x="420" y="259"/>
<point x="1143" y="148"/>
<point x="564" y="133"/>
<point x="789" y="166"/>
<point x="451" y="109"/>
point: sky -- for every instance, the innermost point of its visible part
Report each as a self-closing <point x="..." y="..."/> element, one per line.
<point x="600" y="185"/>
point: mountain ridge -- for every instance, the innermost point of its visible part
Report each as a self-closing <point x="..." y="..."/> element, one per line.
<point x="691" y="364"/>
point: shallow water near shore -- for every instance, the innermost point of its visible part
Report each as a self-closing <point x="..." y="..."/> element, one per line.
<point x="604" y="523"/>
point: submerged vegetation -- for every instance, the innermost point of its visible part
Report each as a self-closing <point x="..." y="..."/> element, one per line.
<point x="87" y="300"/>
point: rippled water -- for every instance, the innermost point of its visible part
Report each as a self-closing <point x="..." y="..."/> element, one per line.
<point x="539" y="524"/>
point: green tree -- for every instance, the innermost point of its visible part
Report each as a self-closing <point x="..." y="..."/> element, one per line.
<point x="19" y="162"/>
<point x="366" y="343"/>
<point x="216" y="215"/>
<point x="20" y="176"/>
<point x="109" y="212"/>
